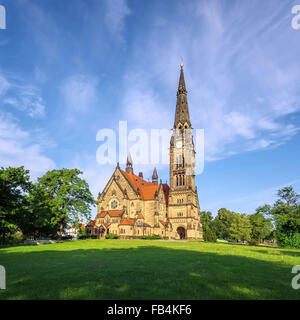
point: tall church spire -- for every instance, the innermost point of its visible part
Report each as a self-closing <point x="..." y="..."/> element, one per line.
<point x="182" y="115"/>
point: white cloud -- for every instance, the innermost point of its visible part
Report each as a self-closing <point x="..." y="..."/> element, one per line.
<point x="28" y="101"/>
<point x="141" y="106"/>
<point x="4" y="85"/>
<point x="79" y="93"/>
<point x="115" y="15"/>
<point x="22" y="97"/>
<point x="240" y="87"/>
<point x="19" y="148"/>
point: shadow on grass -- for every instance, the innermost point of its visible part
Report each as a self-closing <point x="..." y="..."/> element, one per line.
<point x="142" y="273"/>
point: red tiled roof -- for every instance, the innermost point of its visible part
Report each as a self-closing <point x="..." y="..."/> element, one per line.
<point x="112" y="213"/>
<point x="127" y="221"/>
<point x="140" y="216"/>
<point x="147" y="189"/>
<point x="92" y="223"/>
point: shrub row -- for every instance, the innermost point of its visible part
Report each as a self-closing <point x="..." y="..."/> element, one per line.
<point x="152" y="237"/>
<point x="111" y="236"/>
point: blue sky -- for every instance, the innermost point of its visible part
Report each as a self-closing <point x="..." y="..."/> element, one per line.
<point x="70" y="68"/>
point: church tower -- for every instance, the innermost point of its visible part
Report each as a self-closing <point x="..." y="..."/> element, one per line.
<point x="184" y="210"/>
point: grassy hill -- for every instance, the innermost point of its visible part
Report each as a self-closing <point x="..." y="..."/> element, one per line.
<point x="141" y="269"/>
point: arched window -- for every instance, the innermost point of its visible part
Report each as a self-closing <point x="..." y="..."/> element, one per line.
<point x="183" y="180"/>
<point x="176" y="180"/>
<point x="180" y="180"/>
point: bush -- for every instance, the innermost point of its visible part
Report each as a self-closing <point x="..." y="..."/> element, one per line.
<point x="111" y="236"/>
<point x="152" y="237"/>
<point x="82" y="237"/>
<point x="291" y="240"/>
<point x="253" y="242"/>
<point x="209" y="235"/>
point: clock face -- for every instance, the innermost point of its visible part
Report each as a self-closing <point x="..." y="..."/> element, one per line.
<point x="178" y="144"/>
<point x="114" y="204"/>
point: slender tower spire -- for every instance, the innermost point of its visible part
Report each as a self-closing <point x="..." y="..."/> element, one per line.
<point x="182" y="115"/>
<point x="155" y="177"/>
<point x="129" y="164"/>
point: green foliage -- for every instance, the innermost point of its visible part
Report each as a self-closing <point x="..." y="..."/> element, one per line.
<point x="14" y="184"/>
<point x="261" y="227"/>
<point x="152" y="237"/>
<point x="111" y="236"/>
<point x="253" y="242"/>
<point x="65" y="196"/>
<point x="43" y="208"/>
<point x="290" y="240"/>
<point x="286" y="216"/>
<point x="36" y="220"/>
<point x="222" y="224"/>
<point x="209" y="233"/>
<point x="240" y="228"/>
<point x="81" y="233"/>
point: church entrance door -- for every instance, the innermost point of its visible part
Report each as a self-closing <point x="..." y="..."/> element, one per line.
<point x="181" y="232"/>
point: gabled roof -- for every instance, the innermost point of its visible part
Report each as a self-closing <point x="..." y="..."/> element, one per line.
<point x="127" y="222"/>
<point x="140" y="216"/>
<point x="111" y="213"/>
<point x="147" y="189"/>
<point x="91" y="223"/>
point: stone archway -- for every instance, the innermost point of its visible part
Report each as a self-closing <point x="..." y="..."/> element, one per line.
<point x="181" y="232"/>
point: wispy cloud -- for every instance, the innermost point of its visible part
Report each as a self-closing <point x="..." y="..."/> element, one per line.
<point x="4" y="85"/>
<point x="79" y="93"/>
<point x="115" y="15"/>
<point x="22" y="97"/>
<point x="241" y="89"/>
<point x="20" y="148"/>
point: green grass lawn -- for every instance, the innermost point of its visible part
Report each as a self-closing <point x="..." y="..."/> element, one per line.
<point x="141" y="269"/>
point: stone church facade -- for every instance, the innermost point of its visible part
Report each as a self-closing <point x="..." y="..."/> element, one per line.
<point x="132" y="207"/>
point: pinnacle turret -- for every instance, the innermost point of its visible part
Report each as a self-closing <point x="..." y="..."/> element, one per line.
<point x="129" y="164"/>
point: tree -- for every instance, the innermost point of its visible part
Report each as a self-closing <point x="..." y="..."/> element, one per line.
<point x="14" y="184"/>
<point x="207" y="226"/>
<point x="66" y="196"/>
<point x="286" y="216"/>
<point x="261" y="227"/>
<point x="240" y="228"/>
<point x="222" y="223"/>
<point x="36" y="218"/>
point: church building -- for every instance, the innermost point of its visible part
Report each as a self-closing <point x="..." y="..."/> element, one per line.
<point x="132" y="207"/>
